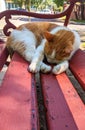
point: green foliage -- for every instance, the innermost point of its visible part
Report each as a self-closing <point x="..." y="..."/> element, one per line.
<point x="59" y="2"/>
<point x="39" y="4"/>
<point x="27" y="4"/>
<point x="36" y="3"/>
<point x="18" y="2"/>
<point x="80" y="21"/>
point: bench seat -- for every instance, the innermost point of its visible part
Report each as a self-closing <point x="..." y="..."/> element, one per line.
<point x="64" y="108"/>
<point x="18" y="101"/>
<point x="18" y="105"/>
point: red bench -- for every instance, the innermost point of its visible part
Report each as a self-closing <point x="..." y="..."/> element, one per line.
<point x="40" y="101"/>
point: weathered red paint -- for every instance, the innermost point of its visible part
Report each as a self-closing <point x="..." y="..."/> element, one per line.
<point x="18" y="107"/>
<point x="77" y="66"/>
<point x="64" y="108"/>
<point x="3" y="54"/>
<point x="75" y="104"/>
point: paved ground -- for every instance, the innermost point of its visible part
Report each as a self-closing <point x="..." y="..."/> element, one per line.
<point x="20" y="20"/>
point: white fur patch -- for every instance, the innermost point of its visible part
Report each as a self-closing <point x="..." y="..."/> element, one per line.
<point x="53" y="54"/>
<point x="24" y="35"/>
<point x="45" y="68"/>
<point x="37" y="58"/>
<point x="29" y="40"/>
<point x="55" y="30"/>
<point x="51" y="58"/>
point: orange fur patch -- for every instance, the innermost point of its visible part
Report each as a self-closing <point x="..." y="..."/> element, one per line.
<point x="62" y="43"/>
<point x="21" y="47"/>
<point x="38" y="28"/>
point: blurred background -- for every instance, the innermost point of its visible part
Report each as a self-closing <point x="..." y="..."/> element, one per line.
<point x="45" y="6"/>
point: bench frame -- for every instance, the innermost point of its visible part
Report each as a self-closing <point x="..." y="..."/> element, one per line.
<point x="55" y="102"/>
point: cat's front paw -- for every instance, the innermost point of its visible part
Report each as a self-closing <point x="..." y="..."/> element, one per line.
<point x="34" y="68"/>
<point x="56" y="69"/>
<point x="45" y="68"/>
<point x="60" y="67"/>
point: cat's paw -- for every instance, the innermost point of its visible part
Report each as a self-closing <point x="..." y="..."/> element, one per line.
<point x="60" y="67"/>
<point x="57" y="69"/>
<point x="34" y="68"/>
<point x="45" y="68"/>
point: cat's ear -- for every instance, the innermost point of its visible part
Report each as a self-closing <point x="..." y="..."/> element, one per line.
<point x="68" y="50"/>
<point x="49" y="36"/>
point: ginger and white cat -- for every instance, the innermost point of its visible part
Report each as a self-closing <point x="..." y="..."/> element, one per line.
<point x="34" y="40"/>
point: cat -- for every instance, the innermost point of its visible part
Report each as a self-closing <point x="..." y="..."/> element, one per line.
<point x="35" y="40"/>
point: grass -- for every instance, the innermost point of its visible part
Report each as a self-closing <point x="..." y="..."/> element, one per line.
<point x="82" y="46"/>
<point x="80" y="21"/>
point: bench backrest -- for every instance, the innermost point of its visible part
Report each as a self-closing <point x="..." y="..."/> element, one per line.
<point x="8" y="13"/>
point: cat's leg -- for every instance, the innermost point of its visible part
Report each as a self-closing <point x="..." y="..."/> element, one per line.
<point x="61" y="67"/>
<point x="36" y="63"/>
<point x="37" y="59"/>
<point x="28" y="55"/>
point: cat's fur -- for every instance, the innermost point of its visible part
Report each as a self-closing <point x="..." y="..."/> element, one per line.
<point x="34" y="40"/>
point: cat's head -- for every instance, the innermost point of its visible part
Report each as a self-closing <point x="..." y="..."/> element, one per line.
<point x="58" y="46"/>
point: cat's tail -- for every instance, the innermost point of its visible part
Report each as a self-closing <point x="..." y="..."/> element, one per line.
<point x="10" y="50"/>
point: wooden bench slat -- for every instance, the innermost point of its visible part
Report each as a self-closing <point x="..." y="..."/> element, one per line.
<point x="18" y="107"/>
<point x="3" y="54"/>
<point x="64" y="109"/>
<point x="73" y="100"/>
<point x="77" y="66"/>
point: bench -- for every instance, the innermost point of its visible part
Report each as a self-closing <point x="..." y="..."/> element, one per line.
<point x="40" y="101"/>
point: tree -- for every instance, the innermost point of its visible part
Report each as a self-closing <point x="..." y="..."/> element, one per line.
<point x="40" y="4"/>
<point x="79" y="10"/>
<point x="36" y="3"/>
<point x="27" y="4"/>
<point x="59" y="2"/>
<point x="82" y="9"/>
<point x="20" y="3"/>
